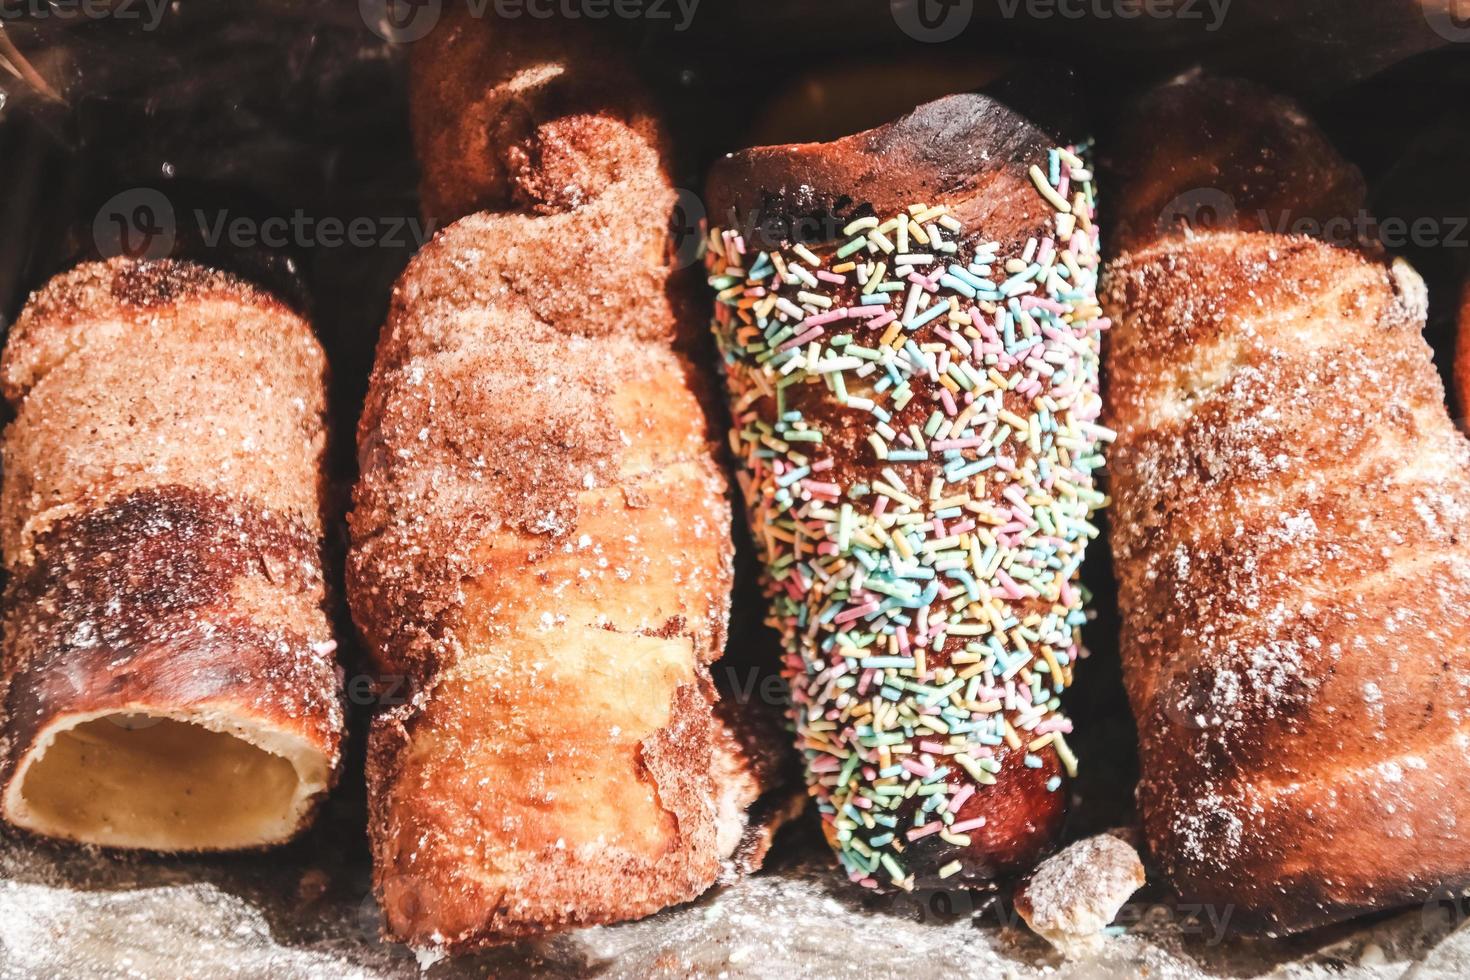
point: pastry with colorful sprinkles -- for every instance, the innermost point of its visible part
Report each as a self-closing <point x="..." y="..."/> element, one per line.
<point x="910" y="336"/>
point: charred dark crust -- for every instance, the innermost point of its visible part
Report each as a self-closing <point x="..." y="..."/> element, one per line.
<point x="154" y="553"/>
<point x="166" y="283"/>
<point x="950" y="150"/>
<point x="760" y="731"/>
<point x="135" y="602"/>
<point x="1022" y="820"/>
<point x="144" y="286"/>
<point x="1260" y="902"/>
<point x="1225" y="154"/>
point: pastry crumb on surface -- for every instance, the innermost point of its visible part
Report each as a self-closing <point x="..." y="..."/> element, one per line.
<point x="1073" y="895"/>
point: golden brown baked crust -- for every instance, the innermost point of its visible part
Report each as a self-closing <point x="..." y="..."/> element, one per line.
<point x="1292" y="545"/>
<point x="161" y="527"/>
<point x="544" y="550"/>
<point x="541" y="537"/>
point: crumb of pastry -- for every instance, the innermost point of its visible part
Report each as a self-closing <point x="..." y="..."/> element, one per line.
<point x="1072" y="896"/>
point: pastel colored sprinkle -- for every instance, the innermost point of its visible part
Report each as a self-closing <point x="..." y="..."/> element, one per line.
<point x="926" y="590"/>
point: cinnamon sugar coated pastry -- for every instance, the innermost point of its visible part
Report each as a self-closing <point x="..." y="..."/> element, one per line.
<point x="1292" y="537"/>
<point x="541" y="534"/>
<point x="169" y="681"/>
<point x="914" y="397"/>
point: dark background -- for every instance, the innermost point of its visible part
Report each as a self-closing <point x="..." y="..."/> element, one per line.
<point x="280" y="106"/>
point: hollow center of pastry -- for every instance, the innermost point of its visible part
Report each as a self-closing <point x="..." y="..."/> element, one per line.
<point x="137" y="780"/>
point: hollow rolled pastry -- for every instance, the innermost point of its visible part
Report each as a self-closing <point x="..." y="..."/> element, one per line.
<point x="169" y="681"/>
<point x="910" y="333"/>
<point x="1292" y="534"/>
<point x="541" y="534"/>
